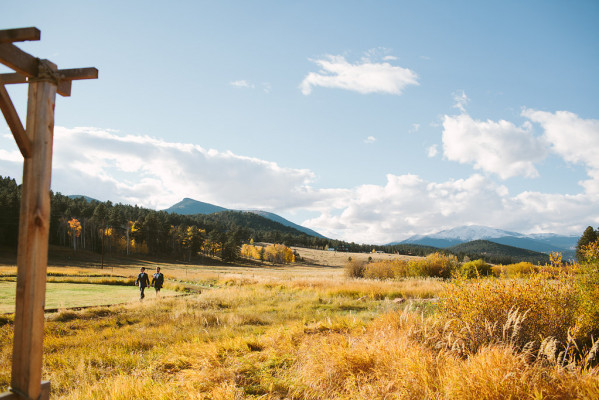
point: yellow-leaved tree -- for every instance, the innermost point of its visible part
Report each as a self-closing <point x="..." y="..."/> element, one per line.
<point x="74" y="230"/>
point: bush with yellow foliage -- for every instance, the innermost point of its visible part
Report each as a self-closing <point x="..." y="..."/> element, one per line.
<point x="274" y="253"/>
<point x="436" y="265"/>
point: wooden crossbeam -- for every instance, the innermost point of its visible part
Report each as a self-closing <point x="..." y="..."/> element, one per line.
<point x="19" y="35"/>
<point x="75" y="74"/>
<point x="14" y="123"/>
<point x="65" y="77"/>
<point x="14" y="77"/>
<point x="18" y="60"/>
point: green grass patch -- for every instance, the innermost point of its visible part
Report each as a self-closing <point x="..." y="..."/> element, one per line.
<point x="67" y="295"/>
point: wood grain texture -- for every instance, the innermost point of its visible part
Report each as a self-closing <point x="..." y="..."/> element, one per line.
<point x="32" y="254"/>
<point x="18" y="60"/>
<point x="19" y="35"/>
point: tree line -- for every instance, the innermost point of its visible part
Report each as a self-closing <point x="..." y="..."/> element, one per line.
<point x="104" y="227"/>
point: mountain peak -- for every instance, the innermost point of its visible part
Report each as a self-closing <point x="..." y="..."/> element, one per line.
<point x="545" y="243"/>
<point x="189" y="206"/>
<point x="473" y="232"/>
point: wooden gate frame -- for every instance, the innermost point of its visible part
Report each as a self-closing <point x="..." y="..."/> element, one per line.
<point x="35" y="143"/>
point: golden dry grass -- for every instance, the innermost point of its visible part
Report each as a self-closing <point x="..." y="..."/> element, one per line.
<point x="292" y="332"/>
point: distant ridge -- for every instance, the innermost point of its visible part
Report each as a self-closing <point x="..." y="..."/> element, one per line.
<point x="189" y="206"/>
<point x="283" y="221"/>
<point x="80" y="196"/>
<point x="499" y="252"/>
<point x="543" y="243"/>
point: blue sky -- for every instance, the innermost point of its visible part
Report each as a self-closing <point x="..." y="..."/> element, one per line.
<point x="366" y="121"/>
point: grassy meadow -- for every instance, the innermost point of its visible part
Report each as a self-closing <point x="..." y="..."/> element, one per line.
<point x="308" y="331"/>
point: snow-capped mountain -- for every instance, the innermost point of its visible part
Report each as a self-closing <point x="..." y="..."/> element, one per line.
<point x="473" y="232"/>
<point x="545" y="243"/>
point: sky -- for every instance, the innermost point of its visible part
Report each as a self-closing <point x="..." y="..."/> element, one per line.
<point x="367" y="121"/>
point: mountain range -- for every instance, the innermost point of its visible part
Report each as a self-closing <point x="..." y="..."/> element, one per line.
<point x="445" y="239"/>
<point x="543" y="243"/>
<point x="189" y="206"/>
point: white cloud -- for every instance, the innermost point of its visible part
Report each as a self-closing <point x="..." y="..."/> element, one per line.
<point x="409" y="205"/>
<point x="156" y="174"/>
<point x="414" y="128"/>
<point x="461" y="100"/>
<point x="363" y="77"/>
<point x="370" y="139"/>
<point x="574" y="139"/>
<point x="242" y="84"/>
<point x="12" y="156"/>
<point x="266" y="87"/>
<point x="507" y="150"/>
<point x="501" y="148"/>
<point x="433" y="151"/>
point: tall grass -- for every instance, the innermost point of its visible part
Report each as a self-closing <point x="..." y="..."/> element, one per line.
<point x="314" y="338"/>
<point x="398" y="356"/>
<point x="512" y="311"/>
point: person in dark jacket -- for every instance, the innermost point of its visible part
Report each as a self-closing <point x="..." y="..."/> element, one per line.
<point x="158" y="281"/>
<point x="143" y="281"/>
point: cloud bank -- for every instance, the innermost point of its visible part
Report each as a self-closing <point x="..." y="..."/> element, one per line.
<point x="156" y="174"/>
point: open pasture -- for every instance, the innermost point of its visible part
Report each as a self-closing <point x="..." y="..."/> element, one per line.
<point x="302" y="331"/>
<point x="69" y="295"/>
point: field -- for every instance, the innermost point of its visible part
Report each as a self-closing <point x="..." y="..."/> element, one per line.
<point x="280" y="332"/>
<point x="70" y="295"/>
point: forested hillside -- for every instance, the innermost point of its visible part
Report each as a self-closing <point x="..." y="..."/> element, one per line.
<point x="81" y="223"/>
<point x="497" y="253"/>
<point x="125" y="229"/>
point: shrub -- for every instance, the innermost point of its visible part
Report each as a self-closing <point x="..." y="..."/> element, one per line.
<point x="388" y="269"/>
<point x="437" y="265"/>
<point x="354" y="269"/>
<point x="475" y="269"/>
<point x="514" y="311"/>
<point x="588" y="284"/>
<point x="514" y="270"/>
<point x="274" y="253"/>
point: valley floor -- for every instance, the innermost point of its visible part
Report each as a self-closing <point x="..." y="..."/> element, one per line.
<point x="291" y="332"/>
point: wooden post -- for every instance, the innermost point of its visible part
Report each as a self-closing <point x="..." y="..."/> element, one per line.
<point x="35" y="143"/>
<point x="32" y="252"/>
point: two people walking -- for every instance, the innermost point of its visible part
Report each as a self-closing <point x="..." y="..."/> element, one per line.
<point x="143" y="281"/>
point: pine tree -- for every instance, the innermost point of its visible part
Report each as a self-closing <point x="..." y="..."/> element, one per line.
<point x="589" y="236"/>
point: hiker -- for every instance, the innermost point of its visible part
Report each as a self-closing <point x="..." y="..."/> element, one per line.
<point x="143" y="281"/>
<point x="158" y="281"/>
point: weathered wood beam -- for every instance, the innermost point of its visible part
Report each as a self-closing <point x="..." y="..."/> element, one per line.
<point x="75" y="74"/>
<point x="14" y="77"/>
<point x="32" y="253"/>
<point x="64" y="88"/>
<point x="71" y="74"/>
<point x="14" y="123"/>
<point x="65" y="77"/>
<point x="18" y="60"/>
<point x="19" y="35"/>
